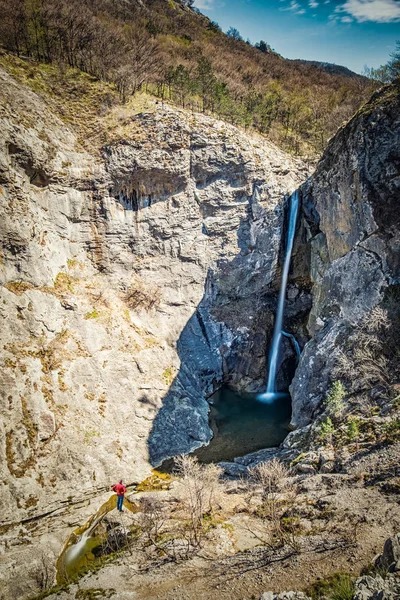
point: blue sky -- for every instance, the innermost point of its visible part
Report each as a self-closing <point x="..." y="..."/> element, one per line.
<point x="352" y="33"/>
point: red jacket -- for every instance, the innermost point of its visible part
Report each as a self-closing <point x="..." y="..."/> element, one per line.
<point x="119" y="489"/>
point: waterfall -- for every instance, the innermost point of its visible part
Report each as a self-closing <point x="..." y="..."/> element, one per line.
<point x="294" y="342"/>
<point x="270" y="393"/>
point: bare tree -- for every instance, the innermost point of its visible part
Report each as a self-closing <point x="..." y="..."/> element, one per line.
<point x="198" y="491"/>
<point x="277" y="492"/>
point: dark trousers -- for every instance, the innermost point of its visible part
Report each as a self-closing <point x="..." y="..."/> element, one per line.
<point x="120" y="502"/>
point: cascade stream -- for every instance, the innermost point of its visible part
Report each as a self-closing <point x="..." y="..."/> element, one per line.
<point x="270" y="395"/>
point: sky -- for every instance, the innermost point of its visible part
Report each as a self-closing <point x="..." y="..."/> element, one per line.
<point x="353" y="33"/>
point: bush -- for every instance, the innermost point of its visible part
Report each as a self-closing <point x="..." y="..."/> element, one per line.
<point x="392" y="430"/>
<point x="334" y="401"/>
<point x="353" y="428"/>
<point x="198" y="492"/>
<point x="277" y="493"/>
<point x="326" y="430"/>
<point x="139" y="295"/>
<point x="336" y="587"/>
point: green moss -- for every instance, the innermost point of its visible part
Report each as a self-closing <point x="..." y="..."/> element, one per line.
<point x="63" y="283"/>
<point x="93" y="593"/>
<point x="156" y="482"/>
<point x="94" y="314"/>
<point x="298" y="459"/>
<point x="168" y="375"/>
<point x="89" y="436"/>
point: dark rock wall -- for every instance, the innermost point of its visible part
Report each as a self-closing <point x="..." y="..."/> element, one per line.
<point x="348" y="245"/>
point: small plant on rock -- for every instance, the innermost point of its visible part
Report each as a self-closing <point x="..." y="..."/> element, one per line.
<point x="353" y="429"/>
<point x="334" y="401"/>
<point x="326" y="431"/>
<point x="392" y="430"/>
<point x="339" y="586"/>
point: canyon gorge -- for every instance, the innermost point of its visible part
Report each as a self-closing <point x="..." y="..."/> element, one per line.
<point x="138" y="279"/>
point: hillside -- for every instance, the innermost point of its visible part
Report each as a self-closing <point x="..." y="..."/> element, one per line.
<point x="177" y="54"/>
<point x="330" y="68"/>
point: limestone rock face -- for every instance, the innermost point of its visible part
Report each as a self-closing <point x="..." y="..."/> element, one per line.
<point x="349" y="239"/>
<point x="377" y="588"/>
<point x="131" y="285"/>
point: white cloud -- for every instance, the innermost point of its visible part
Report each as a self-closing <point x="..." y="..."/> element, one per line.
<point x="313" y="4"/>
<point x="205" y="4"/>
<point x="346" y="20"/>
<point x="380" y="11"/>
<point x="295" y="7"/>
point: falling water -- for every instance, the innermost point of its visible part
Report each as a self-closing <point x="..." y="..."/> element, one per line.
<point x="271" y="394"/>
<point x="295" y="343"/>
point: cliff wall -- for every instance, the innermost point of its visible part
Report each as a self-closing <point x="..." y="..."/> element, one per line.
<point x="349" y="241"/>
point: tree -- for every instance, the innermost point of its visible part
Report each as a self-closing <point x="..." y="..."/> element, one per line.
<point x="394" y="63"/>
<point x="182" y="83"/>
<point x="213" y="26"/>
<point x="388" y="72"/>
<point x="206" y="81"/>
<point x="234" y="33"/>
<point x="263" y="46"/>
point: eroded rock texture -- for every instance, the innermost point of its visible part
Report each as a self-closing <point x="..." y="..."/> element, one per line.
<point x="351" y="239"/>
<point x="132" y="283"/>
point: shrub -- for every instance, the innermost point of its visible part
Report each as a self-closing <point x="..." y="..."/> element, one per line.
<point x="336" y="587"/>
<point x="326" y="430"/>
<point x="334" y="401"/>
<point x="392" y="430"/>
<point x="277" y="493"/>
<point x="353" y="428"/>
<point x="198" y="492"/>
<point x="371" y="354"/>
<point x="139" y="295"/>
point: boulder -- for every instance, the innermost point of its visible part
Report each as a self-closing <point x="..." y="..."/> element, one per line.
<point x="377" y="588"/>
<point x="390" y="557"/>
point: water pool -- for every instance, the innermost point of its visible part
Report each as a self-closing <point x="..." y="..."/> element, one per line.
<point x="241" y="424"/>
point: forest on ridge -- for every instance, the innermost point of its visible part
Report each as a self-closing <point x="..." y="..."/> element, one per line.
<point x="173" y="52"/>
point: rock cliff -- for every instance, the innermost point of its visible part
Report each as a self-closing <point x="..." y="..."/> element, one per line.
<point x="349" y="240"/>
<point x="121" y="275"/>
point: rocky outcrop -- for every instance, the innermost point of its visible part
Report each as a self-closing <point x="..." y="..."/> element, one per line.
<point x="377" y="588"/>
<point x="131" y="286"/>
<point x="389" y="560"/>
<point x="349" y="241"/>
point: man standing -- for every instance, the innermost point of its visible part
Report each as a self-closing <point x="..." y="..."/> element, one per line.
<point x="120" y="490"/>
